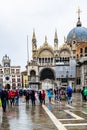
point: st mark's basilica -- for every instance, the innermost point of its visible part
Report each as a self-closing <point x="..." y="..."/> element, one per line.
<point x="54" y="66"/>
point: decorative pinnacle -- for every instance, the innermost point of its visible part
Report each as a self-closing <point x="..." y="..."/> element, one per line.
<point x="45" y="39"/>
<point x="79" y="22"/>
<point x="79" y="11"/>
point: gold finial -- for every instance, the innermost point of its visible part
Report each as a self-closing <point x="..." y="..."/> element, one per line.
<point x="34" y="33"/>
<point x="78" y="22"/>
<point x="79" y="11"/>
<point x="55" y="33"/>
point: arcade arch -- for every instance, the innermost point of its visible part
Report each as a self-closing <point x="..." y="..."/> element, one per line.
<point x="47" y="73"/>
<point x="47" y="78"/>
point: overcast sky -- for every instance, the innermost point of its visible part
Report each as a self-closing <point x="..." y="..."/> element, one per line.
<point x="18" y="18"/>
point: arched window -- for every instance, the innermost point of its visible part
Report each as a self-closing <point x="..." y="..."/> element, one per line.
<point x="81" y="50"/>
<point x="85" y="49"/>
<point x="78" y="81"/>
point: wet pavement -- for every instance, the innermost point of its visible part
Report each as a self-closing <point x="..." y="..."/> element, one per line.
<point x="54" y="116"/>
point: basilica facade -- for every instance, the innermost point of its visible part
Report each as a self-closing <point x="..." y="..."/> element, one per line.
<point x="54" y="66"/>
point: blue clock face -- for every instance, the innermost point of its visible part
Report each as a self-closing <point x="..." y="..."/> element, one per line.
<point x="7" y="78"/>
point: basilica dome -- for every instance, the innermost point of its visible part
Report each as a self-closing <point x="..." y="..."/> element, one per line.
<point x="80" y="34"/>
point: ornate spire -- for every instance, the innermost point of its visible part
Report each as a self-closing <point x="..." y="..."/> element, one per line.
<point x="79" y="22"/>
<point x="34" y="37"/>
<point x="55" y="37"/>
<point x="34" y="45"/>
<point x="64" y="39"/>
<point x="45" y="39"/>
<point x="45" y="43"/>
<point x="55" y="41"/>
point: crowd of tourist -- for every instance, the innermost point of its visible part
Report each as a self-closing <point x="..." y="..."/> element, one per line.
<point x="11" y="97"/>
<point x="63" y="94"/>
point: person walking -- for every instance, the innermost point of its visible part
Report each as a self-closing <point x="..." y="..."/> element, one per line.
<point x="16" y="97"/>
<point x="40" y="97"/>
<point x="49" y="94"/>
<point x="4" y="97"/>
<point x="69" y="94"/>
<point x="12" y="97"/>
<point x="82" y="92"/>
<point x="85" y="94"/>
<point x="43" y="96"/>
<point x="33" y="97"/>
<point x="27" y="97"/>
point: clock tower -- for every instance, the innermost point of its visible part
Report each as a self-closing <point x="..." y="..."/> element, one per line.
<point x="6" y="61"/>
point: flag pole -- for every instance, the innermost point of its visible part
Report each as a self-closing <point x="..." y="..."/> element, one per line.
<point x="27" y="51"/>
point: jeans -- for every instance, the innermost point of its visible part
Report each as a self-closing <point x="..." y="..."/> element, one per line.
<point x="69" y="100"/>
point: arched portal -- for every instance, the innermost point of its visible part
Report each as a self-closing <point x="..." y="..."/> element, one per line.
<point x="47" y="78"/>
<point x="47" y="73"/>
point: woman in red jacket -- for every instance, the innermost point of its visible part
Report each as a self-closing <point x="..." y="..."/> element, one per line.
<point x="43" y="96"/>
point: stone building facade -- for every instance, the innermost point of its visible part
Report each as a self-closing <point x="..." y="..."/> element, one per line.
<point x="10" y="76"/>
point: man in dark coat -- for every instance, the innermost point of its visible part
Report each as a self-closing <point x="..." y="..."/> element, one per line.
<point x="33" y="97"/>
<point x="4" y="97"/>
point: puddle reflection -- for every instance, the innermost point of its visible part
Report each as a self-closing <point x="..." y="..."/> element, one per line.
<point x="5" y="123"/>
<point x="84" y="109"/>
<point x="50" y="106"/>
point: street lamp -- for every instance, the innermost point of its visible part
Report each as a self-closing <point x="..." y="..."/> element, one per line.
<point x="67" y="72"/>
